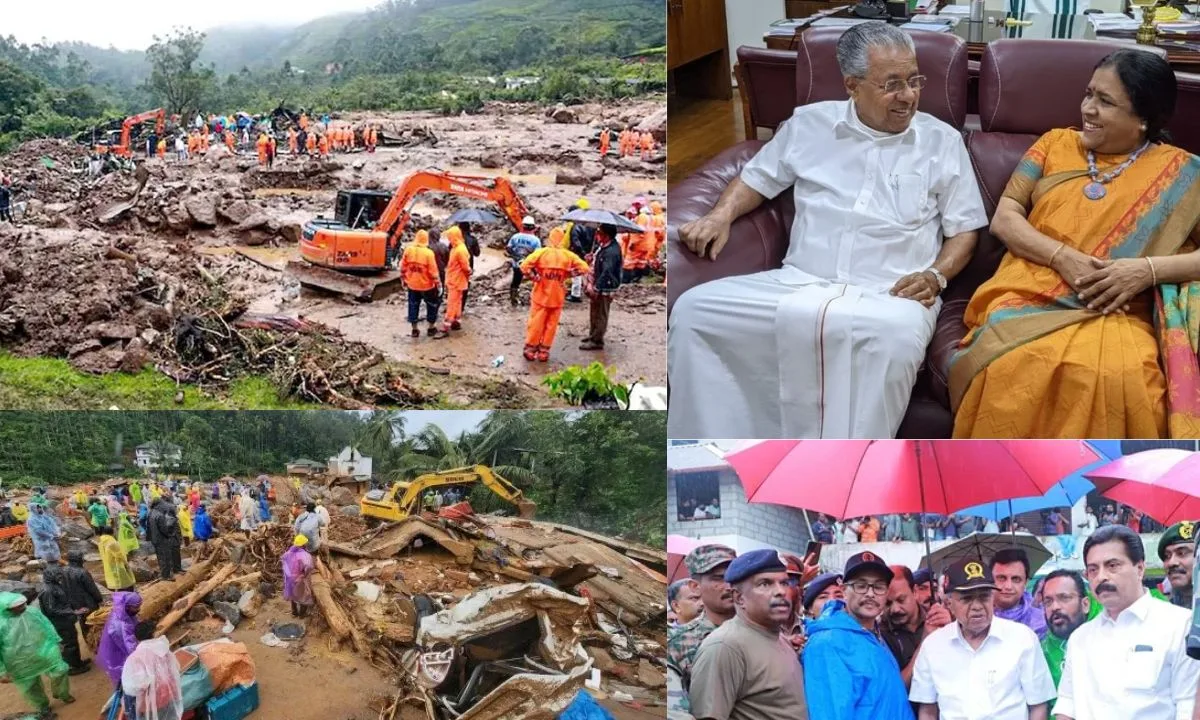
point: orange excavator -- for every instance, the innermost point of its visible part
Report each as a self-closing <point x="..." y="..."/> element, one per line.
<point x="122" y="149"/>
<point x="356" y="253"/>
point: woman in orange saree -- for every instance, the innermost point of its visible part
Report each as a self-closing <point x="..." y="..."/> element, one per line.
<point x="1089" y="327"/>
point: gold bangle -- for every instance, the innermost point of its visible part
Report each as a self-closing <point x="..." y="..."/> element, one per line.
<point x="1153" y="273"/>
<point x="1054" y="254"/>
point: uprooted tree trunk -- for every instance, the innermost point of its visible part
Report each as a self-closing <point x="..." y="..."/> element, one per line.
<point x="339" y="624"/>
<point x="181" y="607"/>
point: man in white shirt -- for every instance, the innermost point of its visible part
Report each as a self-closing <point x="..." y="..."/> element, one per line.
<point x="1089" y="524"/>
<point x="980" y="667"/>
<point x="1130" y="662"/>
<point x="887" y="208"/>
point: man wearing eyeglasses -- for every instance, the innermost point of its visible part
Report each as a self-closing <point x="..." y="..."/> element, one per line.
<point x="887" y="212"/>
<point x="980" y="666"/>
<point x="849" y="673"/>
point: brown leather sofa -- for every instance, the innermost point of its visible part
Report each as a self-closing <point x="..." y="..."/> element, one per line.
<point x="1019" y="98"/>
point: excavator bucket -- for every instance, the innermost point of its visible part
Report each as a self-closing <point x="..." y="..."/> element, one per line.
<point x="526" y="509"/>
<point x="362" y="288"/>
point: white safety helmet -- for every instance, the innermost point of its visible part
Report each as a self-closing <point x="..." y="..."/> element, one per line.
<point x="528" y="221"/>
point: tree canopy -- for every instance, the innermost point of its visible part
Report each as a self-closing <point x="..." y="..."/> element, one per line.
<point x="603" y="471"/>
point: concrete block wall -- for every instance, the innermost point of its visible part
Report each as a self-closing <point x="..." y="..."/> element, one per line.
<point x="775" y="525"/>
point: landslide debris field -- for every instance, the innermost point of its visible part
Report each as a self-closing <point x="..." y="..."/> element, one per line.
<point x="405" y="614"/>
<point x="188" y="273"/>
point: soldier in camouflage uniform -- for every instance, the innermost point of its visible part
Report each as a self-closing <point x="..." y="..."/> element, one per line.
<point x="706" y="564"/>
<point x="1177" y="550"/>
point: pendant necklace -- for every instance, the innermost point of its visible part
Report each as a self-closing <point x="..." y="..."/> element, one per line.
<point x="1095" y="189"/>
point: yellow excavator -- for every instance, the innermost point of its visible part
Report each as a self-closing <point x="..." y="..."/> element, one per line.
<point x="403" y="499"/>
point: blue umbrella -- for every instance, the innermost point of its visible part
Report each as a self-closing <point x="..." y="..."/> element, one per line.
<point x="1066" y="493"/>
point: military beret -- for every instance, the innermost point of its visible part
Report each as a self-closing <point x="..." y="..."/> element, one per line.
<point x="705" y="558"/>
<point x="753" y="563"/>
<point x="1180" y="532"/>
<point x="818" y="585"/>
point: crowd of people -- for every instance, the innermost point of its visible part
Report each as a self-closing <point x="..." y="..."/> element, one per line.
<point x="764" y="635"/>
<point x="595" y="260"/>
<point x="41" y="640"/>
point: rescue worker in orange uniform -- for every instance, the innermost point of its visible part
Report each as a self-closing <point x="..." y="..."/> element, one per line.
<point x="303" y="121"/>
<point x="622" y="142"/>
<point x="204" y="140"/>
<point x="292" y="145"/>
<point x="310" y="143"/>
<point x="323" y="146"/>
<point x="604" y="140"/>
<point x="549" y="268"/>
<point x="638" y="250"/>
<point x="458" y="277"/>
<point x="418" y="268"/>
<point x="193" y="143"/>
<point x="658" y="221"/>
<point x="161" y="149"/>
<point x="261" y="145"/>
<point x="647" y="145"/>
<point x="271" y="150"/>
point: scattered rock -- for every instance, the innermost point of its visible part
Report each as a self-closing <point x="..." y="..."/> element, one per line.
<point x="228" y="611"/>
<point x="351" y="510"/>
<point x="655" y="124"/>
<point x="112" y="331"/>
<point x="571" y="176"/>
<point x="136" y="356"/>
<point x="291" y="232"/>
<point x="235" y="212"/>
<point x="602" y="660"/>
<point x="77" y="530"/>
<point x="249" y="604"/>
<point x="650" y="676"/>
<point x="491" y="160"/>
<point x="257" y="220"/>
<point x="82" y="347"/>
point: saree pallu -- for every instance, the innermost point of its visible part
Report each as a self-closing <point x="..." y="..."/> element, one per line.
<point x="1035" y="361"/>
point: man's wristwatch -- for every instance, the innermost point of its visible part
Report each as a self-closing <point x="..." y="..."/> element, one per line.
<point x="941" y="279"/>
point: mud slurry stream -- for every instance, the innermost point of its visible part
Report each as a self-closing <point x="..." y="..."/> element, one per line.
<point x="172" y="231"/>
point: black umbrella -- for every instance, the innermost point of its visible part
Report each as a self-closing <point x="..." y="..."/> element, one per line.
<point x="473" y="215"/>
<point x="603" y="217"/>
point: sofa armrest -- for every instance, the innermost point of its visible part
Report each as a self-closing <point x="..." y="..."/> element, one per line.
<point x="757" y="241"/>
<point x="947" y="334"/>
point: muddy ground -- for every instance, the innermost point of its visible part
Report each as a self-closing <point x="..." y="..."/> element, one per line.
<point x="191" y="277"/>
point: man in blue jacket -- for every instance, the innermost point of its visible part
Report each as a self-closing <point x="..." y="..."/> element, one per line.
<point x="849" y="673"/>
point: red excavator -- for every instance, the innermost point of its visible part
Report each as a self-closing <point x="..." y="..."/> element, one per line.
<point x="122" y="149"/>
<point x="357" y="252"/>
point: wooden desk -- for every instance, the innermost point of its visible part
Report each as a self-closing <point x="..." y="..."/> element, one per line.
<point x="698" y="49"/>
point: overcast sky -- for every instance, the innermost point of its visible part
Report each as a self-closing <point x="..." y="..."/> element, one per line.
<point x="132" y="27"/>
<point x="452" y="422"/>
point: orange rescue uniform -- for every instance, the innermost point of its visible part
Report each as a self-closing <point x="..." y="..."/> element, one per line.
<point x="458" y="276"/>
<point x="549" y="267"/>
<point x="310" y="143"/>
<point x="292" y="146"/>
<point x="262" y="148"/>
<point x="604" y="140"/>
<point x="161" y="148"/>
<point x="418" y="265"/>
<point x="639" y="249"/>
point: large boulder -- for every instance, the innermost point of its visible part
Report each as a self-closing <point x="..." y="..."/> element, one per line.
<point x="655" y="124"/>
<point x="491" y="160"/>
<point x="235" y="212"/>
<point x="77" y="530"/>
<point x="562" y="114"/>
<point x="291" y="232"/>
<point x="571" y="176"/>
<point x="202" y="207"/>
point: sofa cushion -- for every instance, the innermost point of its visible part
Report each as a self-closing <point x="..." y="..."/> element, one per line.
<point x="942" y="58"/>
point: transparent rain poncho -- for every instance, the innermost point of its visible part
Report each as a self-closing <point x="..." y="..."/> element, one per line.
<point x="151" y="676"/>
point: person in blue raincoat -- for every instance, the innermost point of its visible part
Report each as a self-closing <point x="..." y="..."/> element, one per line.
<point x="202" y="526"/>
<point x="143" y="517"/>
<point x="264" y="508"/>
<point x="849" y="672"/>
<point x="43" y="530"/>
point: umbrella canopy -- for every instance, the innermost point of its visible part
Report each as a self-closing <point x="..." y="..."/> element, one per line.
<point x="982" y="546"/>
<point x="848" y="478"/>
<point x="678" y="547"/>
<point x="473" y="215"/>
<point x="603" y="217"/>
<point x="1155" y="482"/>
<point x="1066" y="493"/>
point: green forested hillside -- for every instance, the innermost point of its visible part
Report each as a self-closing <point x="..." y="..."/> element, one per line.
<point x="403" y="54"/>
<point x="599" y="470"/>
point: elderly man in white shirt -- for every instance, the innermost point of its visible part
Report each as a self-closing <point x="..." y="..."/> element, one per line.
<point x="980" y="667"/>
<point x="1130" y="662"/>
<point x="887" y="209"/>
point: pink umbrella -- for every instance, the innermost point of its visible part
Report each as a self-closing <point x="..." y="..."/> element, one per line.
<point x="678" y="547"/>
<point x="1164" y="484"/>
<point x="848" y="478"/>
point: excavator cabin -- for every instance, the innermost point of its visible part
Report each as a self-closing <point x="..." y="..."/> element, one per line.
<point x="403" y="499"/>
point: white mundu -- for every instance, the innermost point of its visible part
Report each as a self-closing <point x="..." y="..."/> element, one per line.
<point x="1133" y="668"/>
<point x="818" y="348"/>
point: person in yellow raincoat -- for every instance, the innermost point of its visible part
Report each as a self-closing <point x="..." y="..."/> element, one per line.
<point x="185" y="524"/>
<point x="81" y="499"/>
<point x="115" y="559"/>
<point x="155" y="492"/>
<point x="549" y="268"/>
<point x="160" y="149"/>
<point x="20" y="512"/>
<point x="127" y="534"/>
<point x="458" y="277"/>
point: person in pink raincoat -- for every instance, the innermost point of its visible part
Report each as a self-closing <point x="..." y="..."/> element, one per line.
<point x="298" y="566"/>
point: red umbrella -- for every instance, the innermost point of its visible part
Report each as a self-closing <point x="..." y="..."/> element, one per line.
<point x="1164" y="484"/>
<point x="848" y="478"/>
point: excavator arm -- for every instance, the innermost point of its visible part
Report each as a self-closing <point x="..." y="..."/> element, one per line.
<point x="395" y="216"/>
<point x="158" y="115"/>
<point x="409" y="500"/>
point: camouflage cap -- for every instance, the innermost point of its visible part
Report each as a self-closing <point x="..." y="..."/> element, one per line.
<point x="1180" y="532"/>
<point x="705" y="558"/>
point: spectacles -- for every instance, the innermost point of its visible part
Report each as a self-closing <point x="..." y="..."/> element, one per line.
<point x="893" y="87"/>
<point x="861" y="587"/>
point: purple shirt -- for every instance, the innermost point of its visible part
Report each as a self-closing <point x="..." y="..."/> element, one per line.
<point x="1026" y="613"/>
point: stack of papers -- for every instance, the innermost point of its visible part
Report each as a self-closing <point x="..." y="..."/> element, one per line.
<point x="839" y="22"/>
<point x="955" y="10"/>
<point x="951" y="20"/>
<point x="1112" y="21"/>
<point x="1180" y="26"/>
<point x="786" y="28"/>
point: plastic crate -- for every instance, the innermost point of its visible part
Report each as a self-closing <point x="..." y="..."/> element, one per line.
<point x="234" y="704"/>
